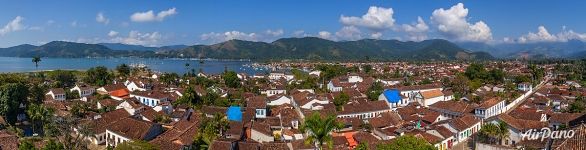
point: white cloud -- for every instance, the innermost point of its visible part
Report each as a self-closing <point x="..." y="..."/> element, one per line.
<point x="50" y="22"/>
<point x="453" y="24"/>
<point x="230" y="35"/>
<point x="543" y="35"/>
<point x="376" y="35"/>
<point x="416" y="31"/>
<point x="124" y="24"/>
<point x="100" y="18"/>
<point x="324" y="35"/>
<point x="275" y="33"/>
<point x="299" y="33"/>
<point x="566" y="35"/>
<point x="12" y="26"/>
<point x="349" y="33"/>
<point x="138" y="38"/>
<point x="73" y="23"/>
<point x="149" y="16"/>
<point x="376" y="19"/>
<point x="36" y="28"/>
<point x="112" y="33"/>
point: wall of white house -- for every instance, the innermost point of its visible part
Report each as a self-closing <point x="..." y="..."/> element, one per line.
<point x="362" y="115"/>
<point x="260" y="137"/>
<point x="280" y="101"/>
<point x="113" y="139"/>
<point x="491" y="111"/>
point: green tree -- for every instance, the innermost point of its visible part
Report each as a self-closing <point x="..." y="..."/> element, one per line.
<point x="318" y="129"/>
<point x="209" y="130"/>
<point x="497" y="76"/>
<point x="210" y="98"/>
<point x="169" y="78"/>
<point x="231" y="79"/>
<point x="123" y="70"/>
<point x="36" y="60"/>
<point x="26" y="145"/>
<point x="362" y="146"/>
<point x="341" y="100"/>
<point x="460" y="84"/>
<point x="133" y="145"/>
<point x="62" y="78"/>
<point x="52" y="145"/>
<point x="11" y="95"/>
<point x="475" y="71"/>
<point x="39" y="115"/>
<point x="407" y="142"/>
<point x="98" y="75"/>
<point x="576" y="107"/>
<point x="367" y="68"/>
<point x="72" y="94"/>
<point x="36" y="93"/>
<point x="374" y="91"/>
<point x="190" y="97"/>
<point x="494" y="132"/>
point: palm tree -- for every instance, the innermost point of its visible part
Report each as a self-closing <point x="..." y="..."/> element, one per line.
<point x="186" y="68"/>
<point x="36" y="60"/>
<point x="38" y="114"/>
<point x="318" y="129"/>
<point x="503" y="131"/>
<point x="210" y="129"/>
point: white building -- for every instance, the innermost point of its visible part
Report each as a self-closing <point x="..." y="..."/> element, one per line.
<point x="261" y="132"/>
<point x="150" y="98"/>
<point x="279" y="99"/>
<point x="517" y="127"/>
<point x="274" y="91"/>
<point x="430" y="97"/>
<point x="83" y="90"/>
<point x="491" y="107"/>
<point x="363" y="110"/>
<point x="130" y="129"/>
<point x="137" y="85"/>
<point x="354" y="78"/>
<point x="57" y="94"/>
<point x="464" y="127"/>
<point x="525" y="86"/>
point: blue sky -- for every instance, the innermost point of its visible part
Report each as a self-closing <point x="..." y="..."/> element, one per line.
<point x="204" y="22"/>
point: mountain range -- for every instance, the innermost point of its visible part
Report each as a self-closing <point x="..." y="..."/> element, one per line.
<point x="120" y="46"/>
<point x="536" y="50"/>
<point x="312" y="48"/>
<point x="307" y="48"/>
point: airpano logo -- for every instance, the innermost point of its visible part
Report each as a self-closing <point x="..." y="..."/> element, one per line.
<point x="546" y="133"/>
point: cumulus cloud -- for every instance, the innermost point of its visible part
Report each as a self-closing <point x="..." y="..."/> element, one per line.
<point x="416" y="31"/>
<point x="230" y="35"/>
<point x="73" y="24"/>
<point x="300" y="33"/>
<point x="275" y="33"/>
<point x="150" y="16"/>
<point x="138" y="38"/>
<point x="324" y="35"/>
<point x="13" y="26"/>
<point x="112" y="33"/>
<point x="376" y="35"/>
<point x="349" y="33"/>
<point x="100" y="18"/>
<point x="453" y="24"/>
<point x="543" y="35"/>
<point x="376" y="19"/>
<point x="50" y="22"/>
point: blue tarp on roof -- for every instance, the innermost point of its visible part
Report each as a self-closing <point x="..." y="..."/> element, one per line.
<point x="234" y="113"/>
<point x="392" y="95"/>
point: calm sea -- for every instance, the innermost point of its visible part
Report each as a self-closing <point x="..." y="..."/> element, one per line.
<point x="15" y="64"/>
